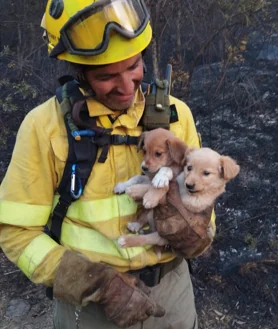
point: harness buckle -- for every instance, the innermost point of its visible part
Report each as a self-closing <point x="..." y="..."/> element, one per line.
<point x="150" y="275"/>
<point x="119" y="139"/>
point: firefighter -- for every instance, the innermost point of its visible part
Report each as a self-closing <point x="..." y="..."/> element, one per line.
<point x="111" y="286"/>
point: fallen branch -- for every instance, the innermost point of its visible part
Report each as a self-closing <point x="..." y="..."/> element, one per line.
<point x="8" y="273"/>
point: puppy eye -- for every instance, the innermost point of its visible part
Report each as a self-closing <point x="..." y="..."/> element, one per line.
<point x="144" y="151"/>
<point x="206" y="173"/>
<point x="189" y="168"/>
<point x="158" y="154"/>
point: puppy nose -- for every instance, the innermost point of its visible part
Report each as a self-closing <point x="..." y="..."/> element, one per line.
<point x="190" y="186"/>
<point x="145" y="169"/>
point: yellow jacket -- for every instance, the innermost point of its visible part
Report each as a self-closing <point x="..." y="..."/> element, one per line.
<point x="94" y="222"/>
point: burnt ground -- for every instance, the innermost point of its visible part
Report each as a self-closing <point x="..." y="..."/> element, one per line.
<point x="236" y="286"/>
<point x="236" y="282"/>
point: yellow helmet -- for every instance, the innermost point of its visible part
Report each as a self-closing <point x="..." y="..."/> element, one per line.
<point x="96" y="32"/>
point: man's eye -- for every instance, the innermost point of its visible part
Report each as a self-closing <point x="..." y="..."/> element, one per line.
<point x="189" y="168"/>
<point x="105" y="78"/>
<point x="158" y="154"/>
<point x="206" y="173"/>
<point x="134" y="66"/>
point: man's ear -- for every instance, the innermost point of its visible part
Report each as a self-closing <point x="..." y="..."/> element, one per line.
<point x="176" y="148"/>
<point x="229" y="168"/>
<point x="141" y="141"/>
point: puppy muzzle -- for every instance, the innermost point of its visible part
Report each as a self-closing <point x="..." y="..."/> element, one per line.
<point x="190" y="187"/>
<point x="145" y="169"/>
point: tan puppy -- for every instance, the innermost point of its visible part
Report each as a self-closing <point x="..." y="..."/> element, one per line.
<point x="204" y="178"/>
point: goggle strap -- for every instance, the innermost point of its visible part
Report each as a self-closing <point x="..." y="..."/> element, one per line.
<point x="57" y="50"/>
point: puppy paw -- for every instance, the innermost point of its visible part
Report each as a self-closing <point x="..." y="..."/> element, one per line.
<point x="160" y="181"/>
<point x="135" y="192"/>
<point x="149" y="203"/>
<point x="131" y="191"/>
<point x="120" y="188"/>
<point x="126" y="241"/>
<point x="133" y="226"/>
<point x="122" y="241"/>
<point x="162" y="178"/>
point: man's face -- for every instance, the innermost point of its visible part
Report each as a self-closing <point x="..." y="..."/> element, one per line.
<point x="115" y="84"/>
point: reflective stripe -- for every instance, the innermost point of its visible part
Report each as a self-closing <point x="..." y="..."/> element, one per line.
<point x="101" y="210"/>
<point x="34" y="254"/>
<point x="212" y="220"/>
<point x="200" y="139"/>
<point x="23" y="214"/>
<point x="88" y="239"/>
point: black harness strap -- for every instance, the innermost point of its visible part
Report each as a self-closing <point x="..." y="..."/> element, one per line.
<point x="58" y="216"/>
<point x="107" y="140"/>
<point x="83" y="153"/>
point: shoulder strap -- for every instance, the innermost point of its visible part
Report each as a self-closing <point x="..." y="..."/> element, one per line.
<point x="81" y="155"/>
<point x="81" y="158"/>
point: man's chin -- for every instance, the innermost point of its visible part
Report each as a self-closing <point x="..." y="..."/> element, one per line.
<point x="119" y="106"/>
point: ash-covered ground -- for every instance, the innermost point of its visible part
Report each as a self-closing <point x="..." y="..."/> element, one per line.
<point x="236" y="285"/>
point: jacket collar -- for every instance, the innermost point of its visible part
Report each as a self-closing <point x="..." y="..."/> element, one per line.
<point x="130" y="119"/>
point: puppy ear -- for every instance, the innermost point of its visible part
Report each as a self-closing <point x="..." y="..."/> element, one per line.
<point x="141" y="141"/>
<point x="187" y="152"/>
<point x="229" y="168"/>
<point x="176" y="148"/>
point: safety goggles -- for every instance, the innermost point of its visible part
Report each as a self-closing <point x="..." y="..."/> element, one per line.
<point x="87" y="33"/>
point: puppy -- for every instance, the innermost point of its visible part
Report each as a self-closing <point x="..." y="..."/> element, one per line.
<point x="203" y="179"/>
<point x="163" y="160"/>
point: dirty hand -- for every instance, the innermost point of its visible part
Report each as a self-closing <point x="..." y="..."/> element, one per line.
<point x="186" y="232"/>
<point x="125" y="298"/>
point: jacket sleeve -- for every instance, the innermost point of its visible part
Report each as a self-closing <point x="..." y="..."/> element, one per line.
<point x="26" y="196"/>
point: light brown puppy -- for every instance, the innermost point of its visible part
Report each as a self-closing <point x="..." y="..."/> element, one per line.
<point x="204" y="178"/>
